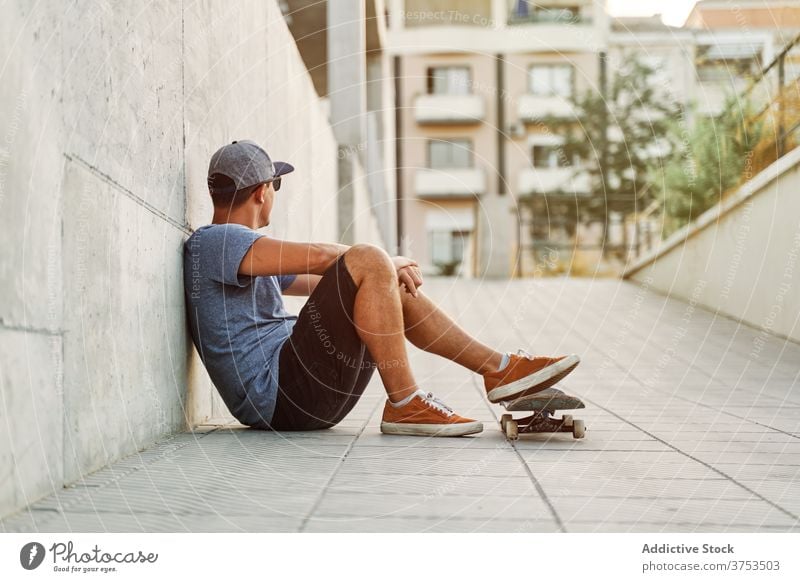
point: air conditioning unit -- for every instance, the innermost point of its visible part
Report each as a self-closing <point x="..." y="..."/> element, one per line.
<point x="516" y="130"/>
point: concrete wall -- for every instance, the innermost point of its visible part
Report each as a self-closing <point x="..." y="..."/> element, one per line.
<point x="357" y="221"/>
<point x="108" y="116"/>
<point x="742" y="257"/>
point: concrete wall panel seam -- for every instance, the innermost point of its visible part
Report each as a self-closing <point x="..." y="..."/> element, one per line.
<point x="185" y="228"/>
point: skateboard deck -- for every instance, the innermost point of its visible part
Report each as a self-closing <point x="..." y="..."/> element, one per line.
<point x="542" y="404"/>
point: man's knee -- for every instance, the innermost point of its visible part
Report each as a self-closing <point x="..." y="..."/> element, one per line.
<point x="363" y="252"/>
<point x="364" y="260"/>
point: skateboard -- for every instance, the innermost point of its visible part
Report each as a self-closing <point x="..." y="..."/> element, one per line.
<point x="542" y="404"/>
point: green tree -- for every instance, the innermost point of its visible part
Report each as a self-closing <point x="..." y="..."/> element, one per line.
<point x="617" y="135"/>
<point x="706" y="161"/>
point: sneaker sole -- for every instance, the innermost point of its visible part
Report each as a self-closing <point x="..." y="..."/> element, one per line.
<point x="535" y="382"/>
<point x="440" y="430"/>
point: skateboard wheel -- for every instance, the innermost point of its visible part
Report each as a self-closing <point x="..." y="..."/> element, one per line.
<point x="567" y="419"/>
<point x="504" y="420"/>
<point x="578" y="429"/>
<point x="512" y="430"/>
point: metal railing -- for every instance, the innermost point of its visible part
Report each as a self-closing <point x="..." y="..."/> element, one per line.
<point x="775" y="94"/>
<point x="782" y="104"/>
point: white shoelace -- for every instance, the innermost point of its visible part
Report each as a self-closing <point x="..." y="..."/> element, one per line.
<point x="524" y="354"/>
<point x="438" y="404"/>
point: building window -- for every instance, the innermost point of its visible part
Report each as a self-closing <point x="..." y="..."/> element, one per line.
<point x="453" y="153"/>
<point x="728" y="61"/>
<point x="549" y="156"/>
<point x="449" y="81"/>
<point x="727" y="71"/>
<point x="543" y="11"/>
<point x="551" y="80"/>
<point x="448" y="248"/>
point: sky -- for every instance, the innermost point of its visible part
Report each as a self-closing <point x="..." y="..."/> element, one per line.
<point x="674" y="11"/>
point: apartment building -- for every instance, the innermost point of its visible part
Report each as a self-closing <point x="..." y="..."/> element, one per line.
<point x="479" y="167"/>
<point x="476" y="80"/>
<point x="718" y="53"/>
<point x="780" y="16"/>
<point x="736" y="41"/>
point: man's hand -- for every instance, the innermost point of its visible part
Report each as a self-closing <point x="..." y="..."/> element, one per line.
<point x="408" y="274"/>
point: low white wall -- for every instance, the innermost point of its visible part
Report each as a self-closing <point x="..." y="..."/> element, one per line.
<point x="108" y="116"/>
<point x="742" y="257"/>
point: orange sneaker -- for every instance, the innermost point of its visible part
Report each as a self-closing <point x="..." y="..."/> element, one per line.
<point x="426" y="415"/>
<point x="525" y="374"/>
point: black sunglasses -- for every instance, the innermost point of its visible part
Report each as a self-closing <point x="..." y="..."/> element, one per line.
<point x="276" y="183"/>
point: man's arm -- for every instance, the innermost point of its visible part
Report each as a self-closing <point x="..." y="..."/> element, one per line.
<point x="269" y="256"/>
<point x="409" y="278"/>
<point x="303" y="285"/>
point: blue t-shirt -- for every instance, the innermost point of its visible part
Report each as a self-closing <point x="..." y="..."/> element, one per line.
<point x="238" y="323"/>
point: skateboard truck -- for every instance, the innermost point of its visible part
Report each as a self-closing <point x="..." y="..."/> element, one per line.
<point x="541" y="422"/>
<point x="542" y="405"/>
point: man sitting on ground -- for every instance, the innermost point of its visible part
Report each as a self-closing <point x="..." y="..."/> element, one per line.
<point x="283" y="372"/>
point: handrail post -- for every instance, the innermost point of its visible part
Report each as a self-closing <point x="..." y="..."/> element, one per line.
<point x="781" y="81"/>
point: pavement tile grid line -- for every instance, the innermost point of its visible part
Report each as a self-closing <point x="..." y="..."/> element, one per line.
<point x="465" y="311"/>
<point x="724" y="388"/>
<point x="53" y="507"/>
<point x="523" y="342"/>
<point x="321" y="496"/>
<point x="592" y="343"/>
<point x="481" y="391"/>
<point x="664" y="451"/>
<point x="451" y="485"/>
<point x="500" y="303"/>
<point x="711" y="377"/>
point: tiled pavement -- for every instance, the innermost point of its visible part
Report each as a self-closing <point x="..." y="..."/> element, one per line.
<point x="693" y="425"/>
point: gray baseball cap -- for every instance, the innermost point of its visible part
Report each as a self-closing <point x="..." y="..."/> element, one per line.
<point x="246" y="164"/>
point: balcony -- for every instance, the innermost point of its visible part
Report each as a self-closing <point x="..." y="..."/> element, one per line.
<point x="563" y="18"/>
<point x="553" y="181"/>
<point x="448" y="109"/>
<point x="449" y="182"/>
<point x="424" y="13"/>
<point x="537" y="107"/>
<point x="451" y="27"/>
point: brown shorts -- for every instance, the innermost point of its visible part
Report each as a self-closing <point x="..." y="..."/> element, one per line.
<point x="324" y="366"/>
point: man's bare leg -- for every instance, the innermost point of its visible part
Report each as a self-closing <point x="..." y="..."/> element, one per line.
<point x="378" y="315"/>
<point x="379" y="322"/>
<point x="431" y="329"/>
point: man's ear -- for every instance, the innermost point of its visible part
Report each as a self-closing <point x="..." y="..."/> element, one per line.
<point x="261" y="193"/>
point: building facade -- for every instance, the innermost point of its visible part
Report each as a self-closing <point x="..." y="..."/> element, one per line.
<point x="477" y="79"/>
<point x="483" y="184"/>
